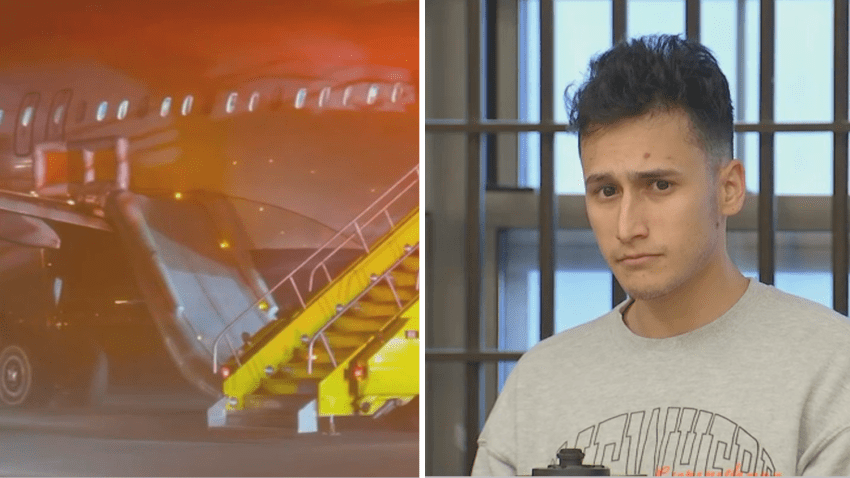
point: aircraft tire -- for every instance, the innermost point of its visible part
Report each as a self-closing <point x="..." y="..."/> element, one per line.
<point x="21" y="380"/>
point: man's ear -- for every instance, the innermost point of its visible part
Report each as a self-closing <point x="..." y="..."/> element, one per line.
<point x="732" y="187"/>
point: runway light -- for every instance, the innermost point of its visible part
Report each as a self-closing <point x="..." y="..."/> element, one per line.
<point x="70" y="202"/>
<point x="224" y="245"/>
<point x="178" y="195"/>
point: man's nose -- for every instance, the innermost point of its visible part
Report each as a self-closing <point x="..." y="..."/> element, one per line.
<point x="631" y="223"/>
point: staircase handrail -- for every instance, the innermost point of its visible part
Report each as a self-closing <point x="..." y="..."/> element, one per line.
<point x="358" y="227"/>
<point x="375" y="280"/>
<point x="291" y="276"/>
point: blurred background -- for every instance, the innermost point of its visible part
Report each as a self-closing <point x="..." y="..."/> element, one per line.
<point x="511" y="257"/>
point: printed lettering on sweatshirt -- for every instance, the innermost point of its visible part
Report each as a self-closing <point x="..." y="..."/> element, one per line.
<point x="673" y="442"/>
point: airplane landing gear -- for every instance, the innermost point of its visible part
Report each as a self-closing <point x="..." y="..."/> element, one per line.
<point x="20" y="382"/>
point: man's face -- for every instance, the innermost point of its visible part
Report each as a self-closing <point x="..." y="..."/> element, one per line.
<point x="652" y="202"/>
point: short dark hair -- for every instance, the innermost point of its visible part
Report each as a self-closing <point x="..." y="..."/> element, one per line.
<point x="663" y="72"/>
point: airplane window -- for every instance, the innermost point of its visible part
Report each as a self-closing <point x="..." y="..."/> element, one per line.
<point x="57" y="115"/>
<point x="396" y="90"/>
<point x="187" y="105"/>
<point x="101" y="110"/>
<point x="345" y="96"/>
<point x="373" y="93"/>
<point x="166" y="106"/>
<point x="26" y="117"/>
<point x="231" y="102"/>
<point x="122" y="109"/>
<point x="1" y="116"/>
<point x="300" y="98"/>
<point x="324" y="95"/>
<point x="253" y="102"/>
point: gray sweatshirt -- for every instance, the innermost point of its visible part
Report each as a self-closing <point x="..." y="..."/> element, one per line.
<point x="762" y="390"/>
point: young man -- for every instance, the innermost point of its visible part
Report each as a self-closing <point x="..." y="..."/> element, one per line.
<point x="701" y="372"/>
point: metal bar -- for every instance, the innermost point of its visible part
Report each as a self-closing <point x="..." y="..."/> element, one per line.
<point x="767" y="198"/>
<point x="490" y="78"/>
<point x="389" y="218"/>
<point x="740" y="70"/>
<point x="360" y="235"/>
<point x="474" y="248"/>
<point x="328" y="349"/>
<point x="514" y="126"/>
<point x="692" y="14"/>
<point x="840" y="243"/>
<point x="618" y="295"/>
<point x="619" y="19"/>
<point x="393" y="290"/>
<point x="442" y="355"/>
<point x="548" y="221"/>
<point x="297" y="292"/>
<point x="327" y="272"/>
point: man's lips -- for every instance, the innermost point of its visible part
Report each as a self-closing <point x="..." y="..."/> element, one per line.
<point x="634" y="259"/>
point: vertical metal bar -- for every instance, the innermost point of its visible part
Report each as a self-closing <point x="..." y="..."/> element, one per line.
<point x="490" y="78"/>
<point x="740" y="72"/>
<point x="548" y="206"/>
<point x="618" y="295"/>
<point x="767" y="197"/>
<point x="619" y="21"/>
<point x="474" y="252"/>
<point x="619" y="18"/>
<point x="840" y="260"/>
<point x="692" y="14"/>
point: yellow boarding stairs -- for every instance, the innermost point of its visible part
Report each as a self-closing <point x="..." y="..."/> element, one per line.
<point x="351" y="349"/>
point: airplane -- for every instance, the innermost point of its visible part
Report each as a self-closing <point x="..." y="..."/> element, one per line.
<point x="138" y="130"/>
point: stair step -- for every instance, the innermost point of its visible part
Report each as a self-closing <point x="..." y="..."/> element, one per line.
<point x="289" y="386"/>
<point x="371" y="308"/>
<point x="321" y="355"/>
<point x="383" y="293"/>
<point x="411" y="262"/>
<point x="298" y="371"/>
<point x="357" y="323"/>
<point x="341" y="339"/>
<point x="404" y="278"/>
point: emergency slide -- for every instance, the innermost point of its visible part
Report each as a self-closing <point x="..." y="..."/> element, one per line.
<point x="193" y="266"/>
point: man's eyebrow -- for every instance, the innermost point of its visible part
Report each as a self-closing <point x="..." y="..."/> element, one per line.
<point x="634" y="176"/>
<point x="597" y="178"/>
<point x="655" y="174"/>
